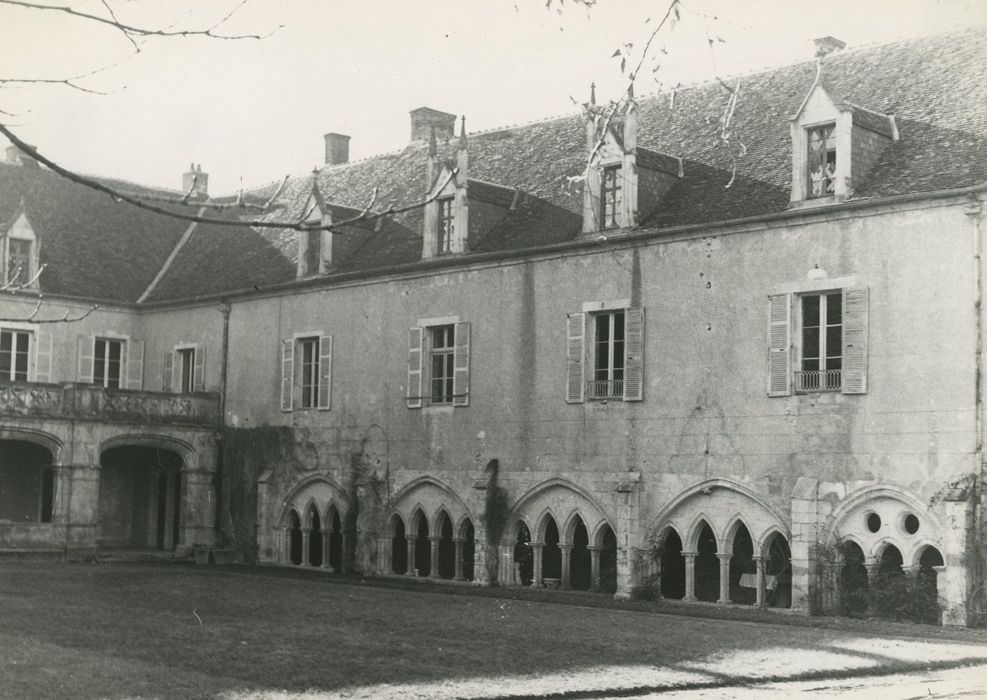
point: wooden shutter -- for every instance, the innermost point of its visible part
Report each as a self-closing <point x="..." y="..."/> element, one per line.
<point x="575" y="351"/>
<point x="199" y="368"/>
<point x="287" y="374"/>
<point x="633" y="354"/>
<point x="169" y="369"/>
<point x="855" y="341"/>
<point x="135" y="364"/>
<point x="779" y="345"/>
<point x="87" y="352"/>
<point x="42" y="356"/>
<point x="325" y="371"/>
<point x="461" y="366"/>
<point x="416" y="352"/>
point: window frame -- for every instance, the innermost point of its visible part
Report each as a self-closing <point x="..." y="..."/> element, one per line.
<point x="446" y="224"/>
<point x="105" y="360"/>
<point x="310" y="344"/>
<point x="581" y="360"/>
<point x="446" y="355"/>
<point x="821" y="380"/>
<point x="185" y="356"/>
<point x="418" y="391"/>
<point x="828" y="177"/>
<point x="612" y="386"/>
<point x="293" y="395"/>
<point x="611" y="218"/>
<point x="12" y="372"/>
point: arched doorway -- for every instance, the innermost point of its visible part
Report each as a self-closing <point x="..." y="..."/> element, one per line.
<point x="890" y="595"/>
<point x="927" y="586"/>
<point x="778" y="572"/>
<point x="423" y="546"/>
<point x="27" y="482"/>
<point x="399" y="546"/>
<point x="140" y="498"/>
<point x="707" y="566"/>
<point x="672" y="563"/>
<point x="469" y="550"/>
<point x="447" y="548"/>
<point x="853" y="582"/>
<point x="580" y="562"/>
<point x="608" y="560"/>
<point x="295" y="545"/>
<point x="743" y="570"/>
<point x="335" y="535"/>
<point x="314" y="524"/>
<point x="551" y="558"/>
<point x="523" y="556"/>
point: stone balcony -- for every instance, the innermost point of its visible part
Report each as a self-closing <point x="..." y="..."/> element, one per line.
<point x="89" y="402"/>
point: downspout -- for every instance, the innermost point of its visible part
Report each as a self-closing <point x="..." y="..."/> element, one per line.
<point x="224" y="309"/>
<point x="974" y="210"/>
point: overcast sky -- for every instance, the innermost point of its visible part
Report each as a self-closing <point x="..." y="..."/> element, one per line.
<point x="252" y="111"/>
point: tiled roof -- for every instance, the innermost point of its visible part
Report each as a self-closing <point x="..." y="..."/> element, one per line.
<point x="934" y="86"/>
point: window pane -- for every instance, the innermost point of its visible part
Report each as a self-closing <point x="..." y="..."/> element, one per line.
<point x="810" y="311"/>
<point x="810" y="364"/>
<point x="834" y="341"/>
<point x="810" y="342"/>
<point x="115" y="347"/>
<point x="834" y="309"/>
<point x="618" y="325"/>
<point x="6" y="341"/>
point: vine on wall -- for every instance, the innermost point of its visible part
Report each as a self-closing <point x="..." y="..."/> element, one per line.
<point x="496" y="510"/>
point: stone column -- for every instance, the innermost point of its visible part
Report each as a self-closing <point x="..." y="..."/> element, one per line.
<point x="627" y="532"/>
<point x="536" y="548"/>
<point x="412" y="540"/>
<point x="152" y="513"/>
<point x="81" y="508"/>
<point x="724" y="558"/>
<point x="761" y="599"/>
<point x="872" y="564"/>
<point x="458" y="543"/>
<point x="955" y="583"/>
<point x="808" y="511"/>
<point x="326" y="539"/>
<point x="168" y="536"/>
<point x="433" y="562"/>
<point x="566" y="564"/>
<point x="941" y="598"/>
<point x="690" y="576"/>
<point x="594" y="565"/>
<point x="344" y="543"/>
<point x="306" y="540"/>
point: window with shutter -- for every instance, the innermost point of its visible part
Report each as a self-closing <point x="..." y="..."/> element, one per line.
<point x="86" y="358"/>
<point x="287" y="374"/>
<point x="415" y="357"/>
<point x="461" y="370"/>
<point x="575" y="353"/>
<point x="134" y="365"/>
<point x="779" y="345"/>
<point x="15" y="355"/>
<point x="42" y="357"/>
<point x="199" y="368"/>
<point x="325" y="372"/>
<point x="439" y="363"/>
<point x="610" y="365"/>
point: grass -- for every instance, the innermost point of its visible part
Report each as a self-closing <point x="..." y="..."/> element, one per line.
<point x="114" y="631"/>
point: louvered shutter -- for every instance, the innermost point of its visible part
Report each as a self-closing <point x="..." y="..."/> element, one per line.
<point x="287" y="374"/>
<point x="42" y="356"/>
<point x="199" y="369"/>
<point x="779" y="345"/>
<point x="325" y="371"/>
<point x="633" y="354"/>
<point x="169" y="369"/>
<point x="461" y="366"/>
<point x="135" y="365"/>
<point x="855" y="341"/>
<point x="575" y="351"/>
<point x="416" y="353"/>
<point x="87" y="351"/>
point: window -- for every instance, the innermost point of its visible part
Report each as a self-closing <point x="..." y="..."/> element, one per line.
<point x="822" y="160"/>
<point x="308" y="355"/>
<point x="107" y="362"/>
<point x="313" y="251"/>
<point x="447" y="225"/>
<point x="439" y="363"/>
<point x="186" y="367"/>
<point x="611" y="197"/>
<point x="442" y="357"/>
<point x="821" y="361"/>
<point x="829" y="330"/>
<point x="614" y="368"/>
<point x="18" y="261"/>
<point x="607" y="380"/>
<point x="15" y="347"/>
<point x="306" y="371"/>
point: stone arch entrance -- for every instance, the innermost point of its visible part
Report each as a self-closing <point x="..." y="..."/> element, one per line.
<point x="313" y="531"/>
<point x="320" y="504"/>
<point x="605" y="556"/>
<point x="27" y="476"/>
<point x="581" y="573"/>
<point x="671" y="563"/>
<point x="140" y="497"/>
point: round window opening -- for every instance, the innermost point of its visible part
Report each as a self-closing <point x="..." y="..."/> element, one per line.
<point x="911" y="523"/>
<point x="873" y="522"/>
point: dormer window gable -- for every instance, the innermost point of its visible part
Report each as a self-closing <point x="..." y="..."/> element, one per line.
<point x="446" y="216"/>
<point x="835" y="144"/>
<point x="19" y="265"/>
<point x="314" y="242"/>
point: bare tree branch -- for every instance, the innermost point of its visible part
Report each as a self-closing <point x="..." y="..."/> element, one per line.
<point x="67" y="318"/>
<point x="113" y="16"/>
<point x="141" y="202"/>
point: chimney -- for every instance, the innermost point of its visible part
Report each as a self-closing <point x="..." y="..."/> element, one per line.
<point x="196" y="181"/>
<point x="337" y="148"/>
<point x="16" y="156"/>
<point x="424" y="119"/>
<point x="827" y="45"/>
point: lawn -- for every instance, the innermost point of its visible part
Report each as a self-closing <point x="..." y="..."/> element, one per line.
<point x="115" y="631"/>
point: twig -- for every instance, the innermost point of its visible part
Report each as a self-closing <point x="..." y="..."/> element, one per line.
<point x="67" y="318"/>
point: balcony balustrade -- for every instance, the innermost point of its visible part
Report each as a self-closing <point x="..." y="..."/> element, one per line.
<point x="87" y="401"/>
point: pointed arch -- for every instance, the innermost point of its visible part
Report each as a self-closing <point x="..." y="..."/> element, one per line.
<point x="862" y="496"/>
<point x="701" y="520"/>
<point x="730" y="532"/>
<point x="310" y="508"/>
<point x="437" y="519"/>
<point x="464" y="522"/>
<point x="921" y="550"/>
<point x="418" y="516"/>
<point x="521" y="503"/>
<point x="541" y="523"/>
<point x="709" y="487"/>
<point x="402" y="493"/>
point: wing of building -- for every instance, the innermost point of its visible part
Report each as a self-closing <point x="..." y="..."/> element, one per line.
<point x="723" y="343"/>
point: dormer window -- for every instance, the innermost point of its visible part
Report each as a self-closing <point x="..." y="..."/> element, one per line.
<point x="19" y="270"/>
<point x="821" y="160"/>
<point x="447" y="225"/>
<point x="611" y="197"/>
<point x="313" y="251"/>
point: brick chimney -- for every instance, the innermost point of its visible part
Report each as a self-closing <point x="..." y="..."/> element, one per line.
<point x="197" y="181"/>
<point x="424" y="119"/>
<point x="337" y="148"/>
<point x="827" y="45"/>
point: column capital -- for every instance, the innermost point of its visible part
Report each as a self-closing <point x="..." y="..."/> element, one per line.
<point x="759" y="558"/>
<point x="690" y="555"/>
<point x="594" y="547"/>
<point x="411" y="538"/>
<point x="724" y="556"/>
<point x="536" y="545"/>
<point x="435" y="538"/>
<point x="458" y="540"/>
<point x="565" y="547"/>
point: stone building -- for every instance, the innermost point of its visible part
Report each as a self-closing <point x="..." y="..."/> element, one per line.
<point x="726" y="344"/>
